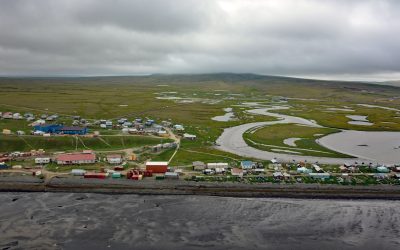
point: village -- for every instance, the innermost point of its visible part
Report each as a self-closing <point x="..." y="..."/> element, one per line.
<point x="126" y="164"/>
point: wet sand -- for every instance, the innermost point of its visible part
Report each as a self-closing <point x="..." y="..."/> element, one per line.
<point x="98" y="221"/>
<point x="181" y="187"/>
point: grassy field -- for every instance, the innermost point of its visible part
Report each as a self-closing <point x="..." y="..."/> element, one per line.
<point x="193" y="101"/>
<point x="272" y="137"/>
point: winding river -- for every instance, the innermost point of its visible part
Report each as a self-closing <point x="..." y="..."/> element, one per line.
<point x="365" y="146"/>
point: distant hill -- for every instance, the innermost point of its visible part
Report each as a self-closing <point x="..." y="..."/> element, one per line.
<point x="229" y="78"/>
<point x="392" y="83"/>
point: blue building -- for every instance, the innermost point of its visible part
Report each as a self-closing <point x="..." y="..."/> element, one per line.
<point x="60" y="129"/>
<point x="72" y="130"/>
<point x="246" y="164"/>
<point x="3" y="165"/>
<point x="48" y="128"/>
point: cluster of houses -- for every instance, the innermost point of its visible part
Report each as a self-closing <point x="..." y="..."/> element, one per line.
<point x="45" y="125"/>
<point x="28" y="116"/>
<point x="246" y="167"/>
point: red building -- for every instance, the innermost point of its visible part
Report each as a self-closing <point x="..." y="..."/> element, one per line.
<point x="76" y="158"/>
<point x="157" y="166"/>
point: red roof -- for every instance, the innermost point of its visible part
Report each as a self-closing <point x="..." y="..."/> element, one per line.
<point x="76" y="157"/>
<point x="236" y="171"/>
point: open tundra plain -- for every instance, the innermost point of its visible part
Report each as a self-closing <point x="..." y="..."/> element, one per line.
<point x="282" y="128"/>
<point x="194" y="100"/>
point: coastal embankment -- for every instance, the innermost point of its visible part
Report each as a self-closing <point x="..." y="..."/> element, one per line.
<point x="180" y="187"/>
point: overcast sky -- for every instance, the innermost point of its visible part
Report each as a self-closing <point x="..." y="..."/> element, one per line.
<point x="340" y="39"/>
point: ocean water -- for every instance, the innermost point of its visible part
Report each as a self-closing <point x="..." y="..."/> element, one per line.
<point x="99" y="221"/>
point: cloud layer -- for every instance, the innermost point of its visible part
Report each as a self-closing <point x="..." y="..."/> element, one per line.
<point x="316" y="38"/>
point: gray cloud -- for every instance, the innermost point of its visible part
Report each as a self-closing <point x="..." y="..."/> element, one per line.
<point x="334" y="39"/>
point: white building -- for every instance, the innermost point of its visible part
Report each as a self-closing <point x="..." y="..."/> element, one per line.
<point x="114" y="159"/>
<point x="217" y="165"/>
<point x="189" y="136"/>
<point x="42" y="160"/>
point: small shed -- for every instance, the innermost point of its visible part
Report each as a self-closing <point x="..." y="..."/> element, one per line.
<point x="42" y="160"/>
<point x="189" y="136"/>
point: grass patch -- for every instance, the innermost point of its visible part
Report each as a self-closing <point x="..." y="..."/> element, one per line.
<point x="272" y="137"/>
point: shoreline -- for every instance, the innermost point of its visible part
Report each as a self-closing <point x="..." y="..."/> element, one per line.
<point x="179" y="187"/>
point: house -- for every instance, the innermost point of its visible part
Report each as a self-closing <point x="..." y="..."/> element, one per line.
<point x="20" y="132"/>
<point x="237" y="172"/>
<point x="217" y="165"/>
<point x="166" y="124"/>
<point x="162" y="133"/>
<point x="149" y="122"/>
<point x="122" y="120"/>
<point x="198" y="165"/>
<point x="178" y="127"/>
<point x="42" y="160"/>
<point x="246" y="164"/>
<point x="157" y="166"/>
<point x="109" y="124"/>
<point x="277" y="175"/>
<point x="189" y="136"/>
<point x="304" y="170"/>
<point x="38" y="122"/>
<point x="6" y="132"/>
<point x="76" y="158"/>
<point x="258" y="171"/>
<point x="208" y="171"/>
<point x="274" y="161"/>
<point x="38" y="132"/>
<point x="219" y="170"/>
<point x="127" y="124"/>
<point x="171" y="175"/>
<point x="27" y="115"/>
<point x="382" y="169"/>
<point x="7" y="115"/>
<point x="17" y="116"/>
<point x="114" y="159"/>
